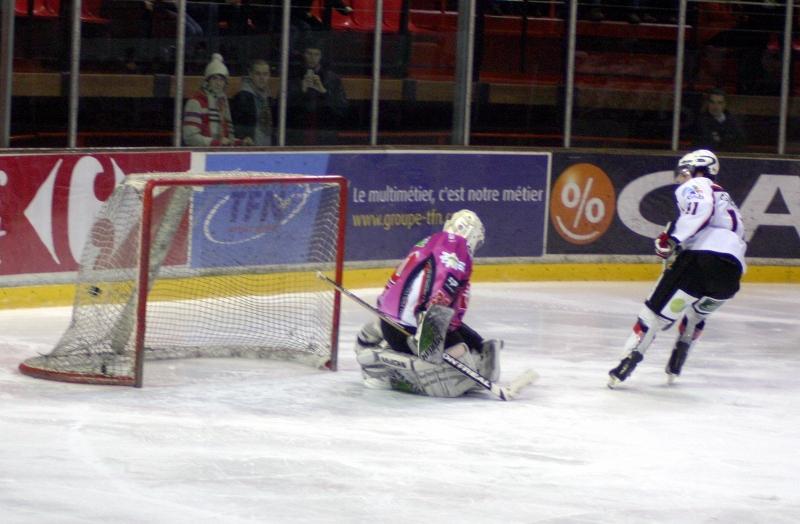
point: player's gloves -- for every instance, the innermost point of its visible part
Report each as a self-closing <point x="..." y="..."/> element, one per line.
<point x="665" y="245"/>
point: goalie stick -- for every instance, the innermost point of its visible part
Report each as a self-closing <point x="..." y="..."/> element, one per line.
<point x="503" y="392"/>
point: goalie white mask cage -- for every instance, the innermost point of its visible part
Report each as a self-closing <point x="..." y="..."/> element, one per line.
<point x="184" y="265"/>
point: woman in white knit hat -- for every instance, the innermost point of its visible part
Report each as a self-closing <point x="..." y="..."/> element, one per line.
<point x="207" y="115"/>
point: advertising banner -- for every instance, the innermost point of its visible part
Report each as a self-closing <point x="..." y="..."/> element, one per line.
<point x="246" y="223"/>
<point x="48" y="203"/>
<point x="397" y="198"/>
<point x="599" y="204"/>
<point x="613" y="204"/>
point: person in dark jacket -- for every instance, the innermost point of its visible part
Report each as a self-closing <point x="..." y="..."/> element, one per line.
<point x="317" y="101"/>
<point x="252" y="107"/>
<point x="718" y="128"/>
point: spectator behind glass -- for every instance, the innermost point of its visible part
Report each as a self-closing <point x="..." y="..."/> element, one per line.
<point x="718" y="129"/>
<point x="251" y="108"/>
<point x="206" y="115"/>
<point x="317" y="101"/>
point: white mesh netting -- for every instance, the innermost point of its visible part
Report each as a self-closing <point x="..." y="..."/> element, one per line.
<point x="232" y="274"/>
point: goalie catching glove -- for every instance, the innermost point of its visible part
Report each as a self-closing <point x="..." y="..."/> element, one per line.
<point x="665" y="245"/>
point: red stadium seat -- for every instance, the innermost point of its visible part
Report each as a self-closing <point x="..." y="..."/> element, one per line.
<point x="363" y="16"/>
<point x="46" y="8"/>
<point x="21" y="8"/>
<point x="90" y="12"/>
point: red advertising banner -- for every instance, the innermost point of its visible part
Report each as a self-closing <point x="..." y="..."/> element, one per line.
<point x="48" y="203"/>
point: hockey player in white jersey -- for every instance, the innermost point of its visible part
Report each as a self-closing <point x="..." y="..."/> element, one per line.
<point x="704" y="252"/>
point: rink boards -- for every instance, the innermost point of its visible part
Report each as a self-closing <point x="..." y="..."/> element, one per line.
<point x="567" y="215"/>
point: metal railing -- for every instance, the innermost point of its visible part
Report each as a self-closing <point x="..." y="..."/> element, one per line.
<point x="464" y="80"/>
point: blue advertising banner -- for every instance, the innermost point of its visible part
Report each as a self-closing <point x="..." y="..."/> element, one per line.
<point x="615" y="204"/>
<point x="398" y="197"/>
<point x="246" y="223"/>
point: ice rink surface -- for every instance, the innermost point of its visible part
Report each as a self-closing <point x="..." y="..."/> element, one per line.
<point x="235" y="441"/>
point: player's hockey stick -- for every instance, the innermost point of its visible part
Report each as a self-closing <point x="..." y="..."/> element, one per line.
<point x="503" y="392"/>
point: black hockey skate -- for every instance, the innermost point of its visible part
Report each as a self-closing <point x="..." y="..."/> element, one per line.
<point x="625" y="368"/>
<point x="676" y="361"/>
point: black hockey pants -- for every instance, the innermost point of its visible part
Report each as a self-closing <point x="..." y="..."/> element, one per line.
<point x="699" y="273"/>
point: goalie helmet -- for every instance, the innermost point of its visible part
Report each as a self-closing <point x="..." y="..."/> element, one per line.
<point x="698" y="163"/>
<point x="466" y="223"/>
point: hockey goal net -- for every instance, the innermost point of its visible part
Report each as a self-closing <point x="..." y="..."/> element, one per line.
<point x="181" y="265"/>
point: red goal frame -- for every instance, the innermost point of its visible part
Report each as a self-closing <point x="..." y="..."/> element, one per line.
<point x="149" y="189"/>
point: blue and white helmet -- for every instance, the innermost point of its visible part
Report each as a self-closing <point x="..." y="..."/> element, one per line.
<point x="699" y="163"/>
<point x="465" y="223"/>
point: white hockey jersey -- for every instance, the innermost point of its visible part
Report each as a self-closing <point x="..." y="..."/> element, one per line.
<point x="709" y="220"/>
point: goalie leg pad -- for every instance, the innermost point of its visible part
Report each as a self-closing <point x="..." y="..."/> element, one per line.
<point x="488" y="359"/>
<point x="448" y="381"/>
<point x="411" y="374"/>
<point x="368" y="344"/>
<point x="383" y="368"/>
<point x="374" y="372"/>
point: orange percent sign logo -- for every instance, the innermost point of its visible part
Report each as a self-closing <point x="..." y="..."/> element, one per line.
<point x="582" y="203"/>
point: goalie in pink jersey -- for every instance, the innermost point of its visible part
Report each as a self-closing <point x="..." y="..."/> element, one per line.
<point x="436" y="271"/>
